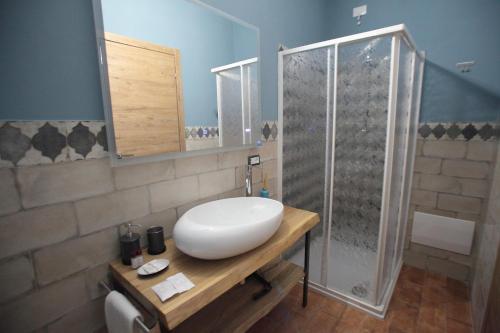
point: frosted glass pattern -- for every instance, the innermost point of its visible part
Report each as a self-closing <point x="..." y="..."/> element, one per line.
<point x="305" y="77"/>
<point x="252" y="104"/>
<point x="415" y="103"/>
<point x="361" y="120"/>
<point x="336" y="111"/>
<point x="399" y="146"/>
<point x="230" y="115"/>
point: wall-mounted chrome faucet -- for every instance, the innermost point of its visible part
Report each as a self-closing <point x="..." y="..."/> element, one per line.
<point x="252" y="161"/>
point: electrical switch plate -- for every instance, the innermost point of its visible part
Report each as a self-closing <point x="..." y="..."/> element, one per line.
<point x="466" y="66"/>
<point x="359" y="11"/>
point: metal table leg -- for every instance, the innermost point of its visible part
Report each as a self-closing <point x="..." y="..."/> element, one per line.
<point x="306" y="270"/>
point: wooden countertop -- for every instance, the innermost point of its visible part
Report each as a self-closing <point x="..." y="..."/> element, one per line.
<point x="211" y="277"/>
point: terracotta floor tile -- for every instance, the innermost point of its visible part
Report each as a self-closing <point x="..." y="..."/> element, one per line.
<point x="354" y="321"/>
<point x="459" y="311"/>
<point x="322" y="323"/>
<point x="306" y="313"/>
<point x="422" y="302"/>
<point x="407" y="292"/>
<point x="296" y="291"/>
<point x="264" y="325"/>
<point x="280" y="312"/>
<point x="458" y="290"/>
<point x="402" y="319"/>
<point x="375" y="325"/>
<point x="435" y="279"/>
<point x="333" y="307"/>
<point x="412" y="274"/>
<point x="457" y="327"/>
<point x="316" y="300"/>
<point x="351" y="321"/>
<point x="431" y="319"/>
<point x="435" y="295"/>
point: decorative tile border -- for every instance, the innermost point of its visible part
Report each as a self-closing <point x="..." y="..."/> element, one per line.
<point x="25" y="143"/>
<point x="200" y="132"/>
<point x="269" y="130"/>
<point x="45" y="142"/>
<point x="459" y="131"/>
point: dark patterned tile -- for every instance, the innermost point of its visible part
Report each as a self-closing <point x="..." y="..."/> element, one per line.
<point x="469" y="132"/>
<point x="13" y="143"/>
<point x="81" y="139"/>
<point x="439" y="131"/>
<point x="497" y="131"/>
<point x="213" y="131"/>
<point x="102" y="138"/>
<point x="486" y="132"/>
<point x="274" y="131"/>
<point x="266" y="131"/>
<point x="425" y="131"/>
<point x="199" y="133"/>
<point x="194" y="132"/>
<point x="454" y="131"/>
<point x="49" y="141"/>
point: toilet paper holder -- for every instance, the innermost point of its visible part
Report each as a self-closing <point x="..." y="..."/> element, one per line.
<point x="139" y="322"/>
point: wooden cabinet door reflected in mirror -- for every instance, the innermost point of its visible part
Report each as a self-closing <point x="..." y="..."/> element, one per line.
<point x="146" y="97"/>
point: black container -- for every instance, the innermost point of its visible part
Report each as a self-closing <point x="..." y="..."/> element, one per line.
<point x="156" y="242"/>
<point x="130" y="246"/>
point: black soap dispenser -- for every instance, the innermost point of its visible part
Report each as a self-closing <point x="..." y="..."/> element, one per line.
<point x="130" y="244"/>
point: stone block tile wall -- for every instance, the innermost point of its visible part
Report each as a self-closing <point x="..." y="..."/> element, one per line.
<point x="488" y="250"/>
<point x="452" y="178"/>
<point x="59" y="227"/>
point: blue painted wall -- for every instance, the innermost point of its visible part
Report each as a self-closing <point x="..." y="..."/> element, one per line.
<point x="450" y="31"/>
<point x="48" y="65"/>
<point x="205" y="40"/>
<point x="48" y="62"/>
<point x="289" y="22"/>
<point x="245" y="43"/>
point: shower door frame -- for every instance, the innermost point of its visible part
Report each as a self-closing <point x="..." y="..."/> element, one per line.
<point x="399" y="34"/>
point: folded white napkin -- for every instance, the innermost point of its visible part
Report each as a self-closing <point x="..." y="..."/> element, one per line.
<point x="173" y="285"/>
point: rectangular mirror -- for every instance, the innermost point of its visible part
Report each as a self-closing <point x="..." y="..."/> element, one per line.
<point x="178" y="77"/>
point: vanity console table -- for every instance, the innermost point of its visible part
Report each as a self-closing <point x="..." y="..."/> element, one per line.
<point x="218" y="302"/>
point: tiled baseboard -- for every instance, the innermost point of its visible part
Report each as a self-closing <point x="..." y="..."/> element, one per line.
<point x="24" y="143"/>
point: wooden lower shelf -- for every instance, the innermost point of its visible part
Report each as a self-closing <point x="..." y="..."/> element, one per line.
<point x="236" y="311"/>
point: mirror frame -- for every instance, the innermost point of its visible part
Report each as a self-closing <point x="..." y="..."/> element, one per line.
<point x="106" y="98"/>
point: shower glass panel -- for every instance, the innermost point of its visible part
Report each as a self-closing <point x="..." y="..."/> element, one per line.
<point x="400" y="116"/>
<point x="306" y="133"/>
<point x="251" y="99"/>
<point x="230" y="107"/>
<point x="410" y="153"/>
<point x="348" y="116"/>
<point x="360" y="132"/>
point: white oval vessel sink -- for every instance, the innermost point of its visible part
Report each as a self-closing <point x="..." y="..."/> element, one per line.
<point x="228" y="227"/>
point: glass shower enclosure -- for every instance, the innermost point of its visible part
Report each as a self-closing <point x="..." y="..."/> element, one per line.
<point x="348" y="115"/>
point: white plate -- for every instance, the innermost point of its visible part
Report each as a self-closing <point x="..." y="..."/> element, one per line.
<point x="152" y="267"/>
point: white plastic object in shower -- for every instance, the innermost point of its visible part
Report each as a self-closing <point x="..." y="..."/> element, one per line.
<point x="442" y="232"/>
